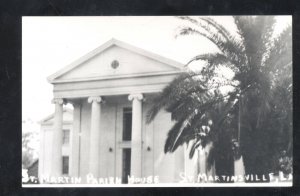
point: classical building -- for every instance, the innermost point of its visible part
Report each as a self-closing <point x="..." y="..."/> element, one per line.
<point x="110" y="89"/>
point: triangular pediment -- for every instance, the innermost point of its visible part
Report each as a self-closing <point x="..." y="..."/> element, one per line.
<point x="115" y="59"/>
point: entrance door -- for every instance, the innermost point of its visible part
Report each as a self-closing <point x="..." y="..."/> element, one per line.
<point x="124" y="143"/>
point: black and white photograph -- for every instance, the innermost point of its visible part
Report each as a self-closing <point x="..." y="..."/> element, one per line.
<point x="157" y="101"/>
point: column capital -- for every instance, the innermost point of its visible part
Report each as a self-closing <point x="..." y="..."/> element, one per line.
<point x="97" y="99"/>
<point x="58" y="101"/>
<point x="137" y="96"/>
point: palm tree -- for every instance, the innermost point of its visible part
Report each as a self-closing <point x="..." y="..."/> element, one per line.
<point x="256" y="112"/>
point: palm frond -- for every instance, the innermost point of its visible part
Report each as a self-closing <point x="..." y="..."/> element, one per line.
<point x="181" y="90"/>
<point x="164" y="98"/>
<point x="183" y="126"/>
<point x="195" y="145"/>
<point x="234" y="45"/>
<point x="177" y="136"/>
<point x="256" y="33"/>
<point x="279" y="57"/>
<point x="232" y="53"/>
<point x="211" y="58"/>
<point x="221" y="29"/>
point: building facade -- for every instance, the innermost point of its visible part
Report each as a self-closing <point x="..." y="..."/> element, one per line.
<point x="111" y="89"/>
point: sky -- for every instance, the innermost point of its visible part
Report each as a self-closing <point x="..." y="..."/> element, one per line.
<point x="51" y="43"/>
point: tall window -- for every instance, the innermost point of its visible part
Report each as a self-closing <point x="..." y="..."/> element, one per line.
<point x="127" y="124"/>
<point x="126" y="137"/>
<point x="66" y="136"/>
<point x="65" y="164"/>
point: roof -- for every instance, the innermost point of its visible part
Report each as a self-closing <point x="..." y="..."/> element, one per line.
<point x="70" y="111"/>
<point x="108" y="44"/>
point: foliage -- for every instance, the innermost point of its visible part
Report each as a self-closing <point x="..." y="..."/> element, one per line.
<point x="27" y="150"/>
<point x="257" y="112"/>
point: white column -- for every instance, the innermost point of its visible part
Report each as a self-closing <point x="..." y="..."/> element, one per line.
<point x="94" y="156"/>
<point x="56" y="165"/>
<point x="136" y="135"/>
<point x="75" y="137"/>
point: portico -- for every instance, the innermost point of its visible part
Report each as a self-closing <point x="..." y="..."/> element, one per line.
<point x="111" y="89"/>
<point x="95" y="156"/>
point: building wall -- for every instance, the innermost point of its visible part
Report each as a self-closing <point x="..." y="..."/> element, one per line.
<point x="45" y="152"/>
<point x="166" y="166"/>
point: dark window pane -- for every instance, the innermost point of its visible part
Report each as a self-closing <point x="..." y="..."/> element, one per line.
<point x="126" y="164"/>
<point x="127" y="120"/>
<point x="66" y="136"/>
<point x="65" y="165"/>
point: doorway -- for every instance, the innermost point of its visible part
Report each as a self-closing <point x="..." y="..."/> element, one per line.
<point x="124" y="144"/>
